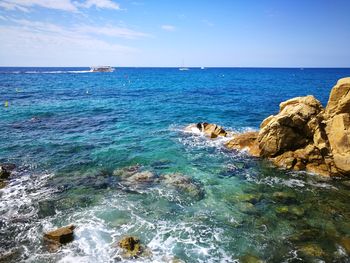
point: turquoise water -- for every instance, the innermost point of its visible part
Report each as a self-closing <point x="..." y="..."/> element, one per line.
<point x="67" y="130"/>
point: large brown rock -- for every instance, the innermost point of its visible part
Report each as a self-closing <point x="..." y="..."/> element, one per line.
<point x="291" y="128"/>
<point x="61" y="235"/>
<point x="338" y="125"/>
<point x="339" y="99"/>
<point x="245" y="141"/>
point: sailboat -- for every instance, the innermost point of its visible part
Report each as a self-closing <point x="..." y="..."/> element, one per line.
<point x="183" y="67"/>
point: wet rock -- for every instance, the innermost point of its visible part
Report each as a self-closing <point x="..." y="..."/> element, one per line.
<point x="312" y="250"/>
<point x="131" y="247"/>
<point x="250" y="259"/>
<point x="133" y="176"/>
<point x="345" y="243"/>
<point x="293" y="211"/>
<point x="210" y="130"/>
<point x="127" y="171"/>
<point x="305" y="235"/>
<point x="246" y="141"/>
<point x="4" y="173"/>
<point x="46" y="208"/>
<point x="250" y="198"/>
<point x="247" y="208"/>
<point x="183" y="184"/>
<point x="61" y="235"/>
<point x="284" y="197"/>
<point x="2" y="184"/>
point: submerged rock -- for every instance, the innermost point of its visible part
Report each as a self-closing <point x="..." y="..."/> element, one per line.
<point x="61" y="235"/>
<point x="250" y="259"/>
<point x="284" y="197"/>
<point x="133" y="175"/>
<point x="183" y="184"/>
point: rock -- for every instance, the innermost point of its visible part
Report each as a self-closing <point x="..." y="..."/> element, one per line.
<point x="338" y="132"/>
<point x="61" y="235"/>
<point x="131" y="247"/>
<point x="305" y="235"/>
<point x="345" y="243"/>
<point x="250" y="198"/>
<point x="312" y="250"/>
<point x="284" y="197"/>
<point x="4" y="173"/>
<point x="289" y="129"/>
<point x="246" y="141"/>
<point x="339" y="99"/>
<point x="210" y="130"/>
<point x="293" y="211"/>
<point x="133" y="175"/>
<point x="250" y="259"/>
<point x="183" y="183"/>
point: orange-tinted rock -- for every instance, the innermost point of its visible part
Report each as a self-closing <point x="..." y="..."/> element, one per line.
<point x="246" y="141"/>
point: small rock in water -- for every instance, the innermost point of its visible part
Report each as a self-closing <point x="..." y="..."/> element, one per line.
<point x="127" y="171"/>
<point x="312" y="250"/>
<point x="131" y="247"/>
<point x="345" y="243"/>
<point x="58" y="237"/>
<point x="284" y="197"/>
<point x="250" y="259"/>
<point x="184" y="184"/>
<point x="250" y="198"/>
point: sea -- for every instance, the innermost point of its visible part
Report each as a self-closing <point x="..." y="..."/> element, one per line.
<point x="70" y="132"/>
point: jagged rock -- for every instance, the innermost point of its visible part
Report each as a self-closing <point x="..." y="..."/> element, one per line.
<point x="54" y="239"/>
<point x="4" y="172"/>
<point x="245" y="141"/>
<point x="131" y="247"/>
<point x="289" y="129"/>
<point x="312" y="250"/>
<point x="210" y="130"/>
<point x="61" y="235"/>
<point x="183" y="183"/>
<point x="339" y="99"/>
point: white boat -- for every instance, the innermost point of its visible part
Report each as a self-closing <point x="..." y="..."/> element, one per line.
<point x="102" y="69"/>
<point x="183" y="67"/>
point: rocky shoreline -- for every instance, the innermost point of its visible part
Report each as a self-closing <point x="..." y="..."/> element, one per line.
<point x="303" y="136"/>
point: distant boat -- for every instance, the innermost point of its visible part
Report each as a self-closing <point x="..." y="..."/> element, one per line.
<point x="102" y="69"/>
<point x="183" y="67"/>
<point x="202" y="67"/>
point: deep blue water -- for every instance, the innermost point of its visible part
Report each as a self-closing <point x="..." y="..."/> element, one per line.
<point x="67" y="129"/>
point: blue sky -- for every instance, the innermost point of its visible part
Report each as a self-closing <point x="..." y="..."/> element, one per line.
<point x="232" y="33"/>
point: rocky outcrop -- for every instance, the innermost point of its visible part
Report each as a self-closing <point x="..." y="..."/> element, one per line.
<point x="6" y="169"/>
<point x="209" y="129"/>
<point x="245" y="141"/>
<point x="54" y="239"/>
<point x="304" y="135"/>
<point x="131" y="248"/>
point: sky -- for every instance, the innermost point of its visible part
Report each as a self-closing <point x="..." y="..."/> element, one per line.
<point x="169" y="33"/>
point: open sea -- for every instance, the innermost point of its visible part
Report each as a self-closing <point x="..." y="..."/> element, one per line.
<point x="67" y="130"/>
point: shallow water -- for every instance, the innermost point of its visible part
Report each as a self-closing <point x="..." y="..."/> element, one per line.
<point x="67" y="130"/>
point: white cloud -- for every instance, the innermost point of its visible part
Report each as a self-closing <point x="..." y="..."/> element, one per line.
<point x="108" y="4"/>
<point x="168" y="27"/>
<point x="23" y="5"/>
<point x="112" y="31"/>
<point x="63" y="5"/>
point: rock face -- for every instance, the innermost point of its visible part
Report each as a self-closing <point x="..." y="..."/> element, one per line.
<point x="303" y="135"/>
<point x="245" y="141"/>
